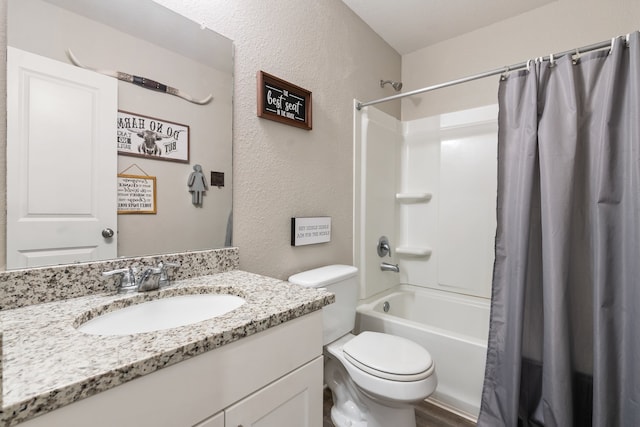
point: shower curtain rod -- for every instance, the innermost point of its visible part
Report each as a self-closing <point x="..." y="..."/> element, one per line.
<point x="595" y="46"/>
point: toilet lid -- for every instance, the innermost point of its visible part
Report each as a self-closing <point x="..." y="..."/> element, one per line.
<point x="388" y="356"/>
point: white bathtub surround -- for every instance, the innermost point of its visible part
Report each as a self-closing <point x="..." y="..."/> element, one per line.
<point x="453" y="328"/>
<point x="378" y="137"/>
<point x="430" y="186"/>
<point x="48" y="363"/>
<point x="454" y="157"/>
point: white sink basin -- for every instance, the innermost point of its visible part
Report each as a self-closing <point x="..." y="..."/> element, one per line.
<point x="165" y="313"/>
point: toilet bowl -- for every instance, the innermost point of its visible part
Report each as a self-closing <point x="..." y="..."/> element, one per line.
<point x="374" y="377"/>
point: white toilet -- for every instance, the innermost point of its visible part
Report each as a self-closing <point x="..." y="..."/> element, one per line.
<point x="374" y="377"/>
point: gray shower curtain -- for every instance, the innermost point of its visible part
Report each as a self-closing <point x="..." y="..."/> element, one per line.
<point x="564" y="338"/>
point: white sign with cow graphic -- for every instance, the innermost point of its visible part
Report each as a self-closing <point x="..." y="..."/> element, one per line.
<point x="148" y="137"/>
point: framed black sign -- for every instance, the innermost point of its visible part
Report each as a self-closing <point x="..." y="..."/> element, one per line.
<point x="283" y="102"/>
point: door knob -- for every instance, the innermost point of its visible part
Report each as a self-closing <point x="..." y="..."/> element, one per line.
<point x="107" y="233"/>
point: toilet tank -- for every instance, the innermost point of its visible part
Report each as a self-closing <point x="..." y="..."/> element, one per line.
<point x="342" y="280"/>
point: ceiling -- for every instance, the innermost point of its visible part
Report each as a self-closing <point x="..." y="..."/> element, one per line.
<point x="409" y="25"/>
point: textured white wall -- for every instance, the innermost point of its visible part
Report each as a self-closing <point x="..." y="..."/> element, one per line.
<point x="281" y="171"/>
<point x="556" y="27"/>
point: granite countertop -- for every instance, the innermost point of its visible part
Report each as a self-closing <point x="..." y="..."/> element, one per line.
<point x="47" y="363"/>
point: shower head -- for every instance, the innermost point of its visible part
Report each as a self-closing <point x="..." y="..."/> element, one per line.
<point x="395" y="85"/>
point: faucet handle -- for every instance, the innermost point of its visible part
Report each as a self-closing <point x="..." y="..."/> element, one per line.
<point x="164" y="274"/>
<point x="127" y="280"/>
<point x="383" y="247"/>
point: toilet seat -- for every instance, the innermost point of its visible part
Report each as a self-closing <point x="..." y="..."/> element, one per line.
<point x="375" y="385"/>
<point x="388" y="357"/>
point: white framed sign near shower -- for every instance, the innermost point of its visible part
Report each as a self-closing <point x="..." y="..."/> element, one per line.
<point x="310" y="230"/>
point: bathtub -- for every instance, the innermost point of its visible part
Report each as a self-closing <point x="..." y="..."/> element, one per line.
<point x="452" y="327"/>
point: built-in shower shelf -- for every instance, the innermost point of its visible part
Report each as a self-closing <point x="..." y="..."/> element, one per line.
<point x="413" y="197"/>
<point x="413" y="251"/>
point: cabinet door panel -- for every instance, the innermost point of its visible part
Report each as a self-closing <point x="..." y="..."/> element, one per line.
<point x="293" y="401"/>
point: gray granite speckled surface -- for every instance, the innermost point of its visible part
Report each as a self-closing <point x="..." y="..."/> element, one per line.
<point x="48" y="363"/>
<point x="19" y="288"/>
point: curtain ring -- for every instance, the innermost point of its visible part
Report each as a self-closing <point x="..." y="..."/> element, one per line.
<point x="626" y="39"/>
<point x="503" y="76"/>
<point x="552" y="62"/>
<point x="613" y="43"/>
<point x="575" y="58"/>
<point x="528" y="65"/>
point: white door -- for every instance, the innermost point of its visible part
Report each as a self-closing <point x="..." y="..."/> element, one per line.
<point x="61" y="162"/>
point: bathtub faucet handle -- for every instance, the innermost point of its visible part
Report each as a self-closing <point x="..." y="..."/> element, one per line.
<point x="383" y="247"/>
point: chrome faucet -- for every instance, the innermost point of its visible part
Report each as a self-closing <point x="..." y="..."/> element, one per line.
<point x="150" y="279"/>
<point x="385" y="266"/>
<point x="127" y="282"/>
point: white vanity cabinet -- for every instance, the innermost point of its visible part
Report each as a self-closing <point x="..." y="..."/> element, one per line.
<point x="272" y="378"/>
<point x="287" y="402"/>
<point x="290" y="401"/>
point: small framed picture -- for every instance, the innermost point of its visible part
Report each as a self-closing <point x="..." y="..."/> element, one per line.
<point x="152" y="138"/>
<point x="136" y="194"/>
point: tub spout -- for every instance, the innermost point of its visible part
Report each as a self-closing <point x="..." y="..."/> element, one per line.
<point x="385" y="266"/>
